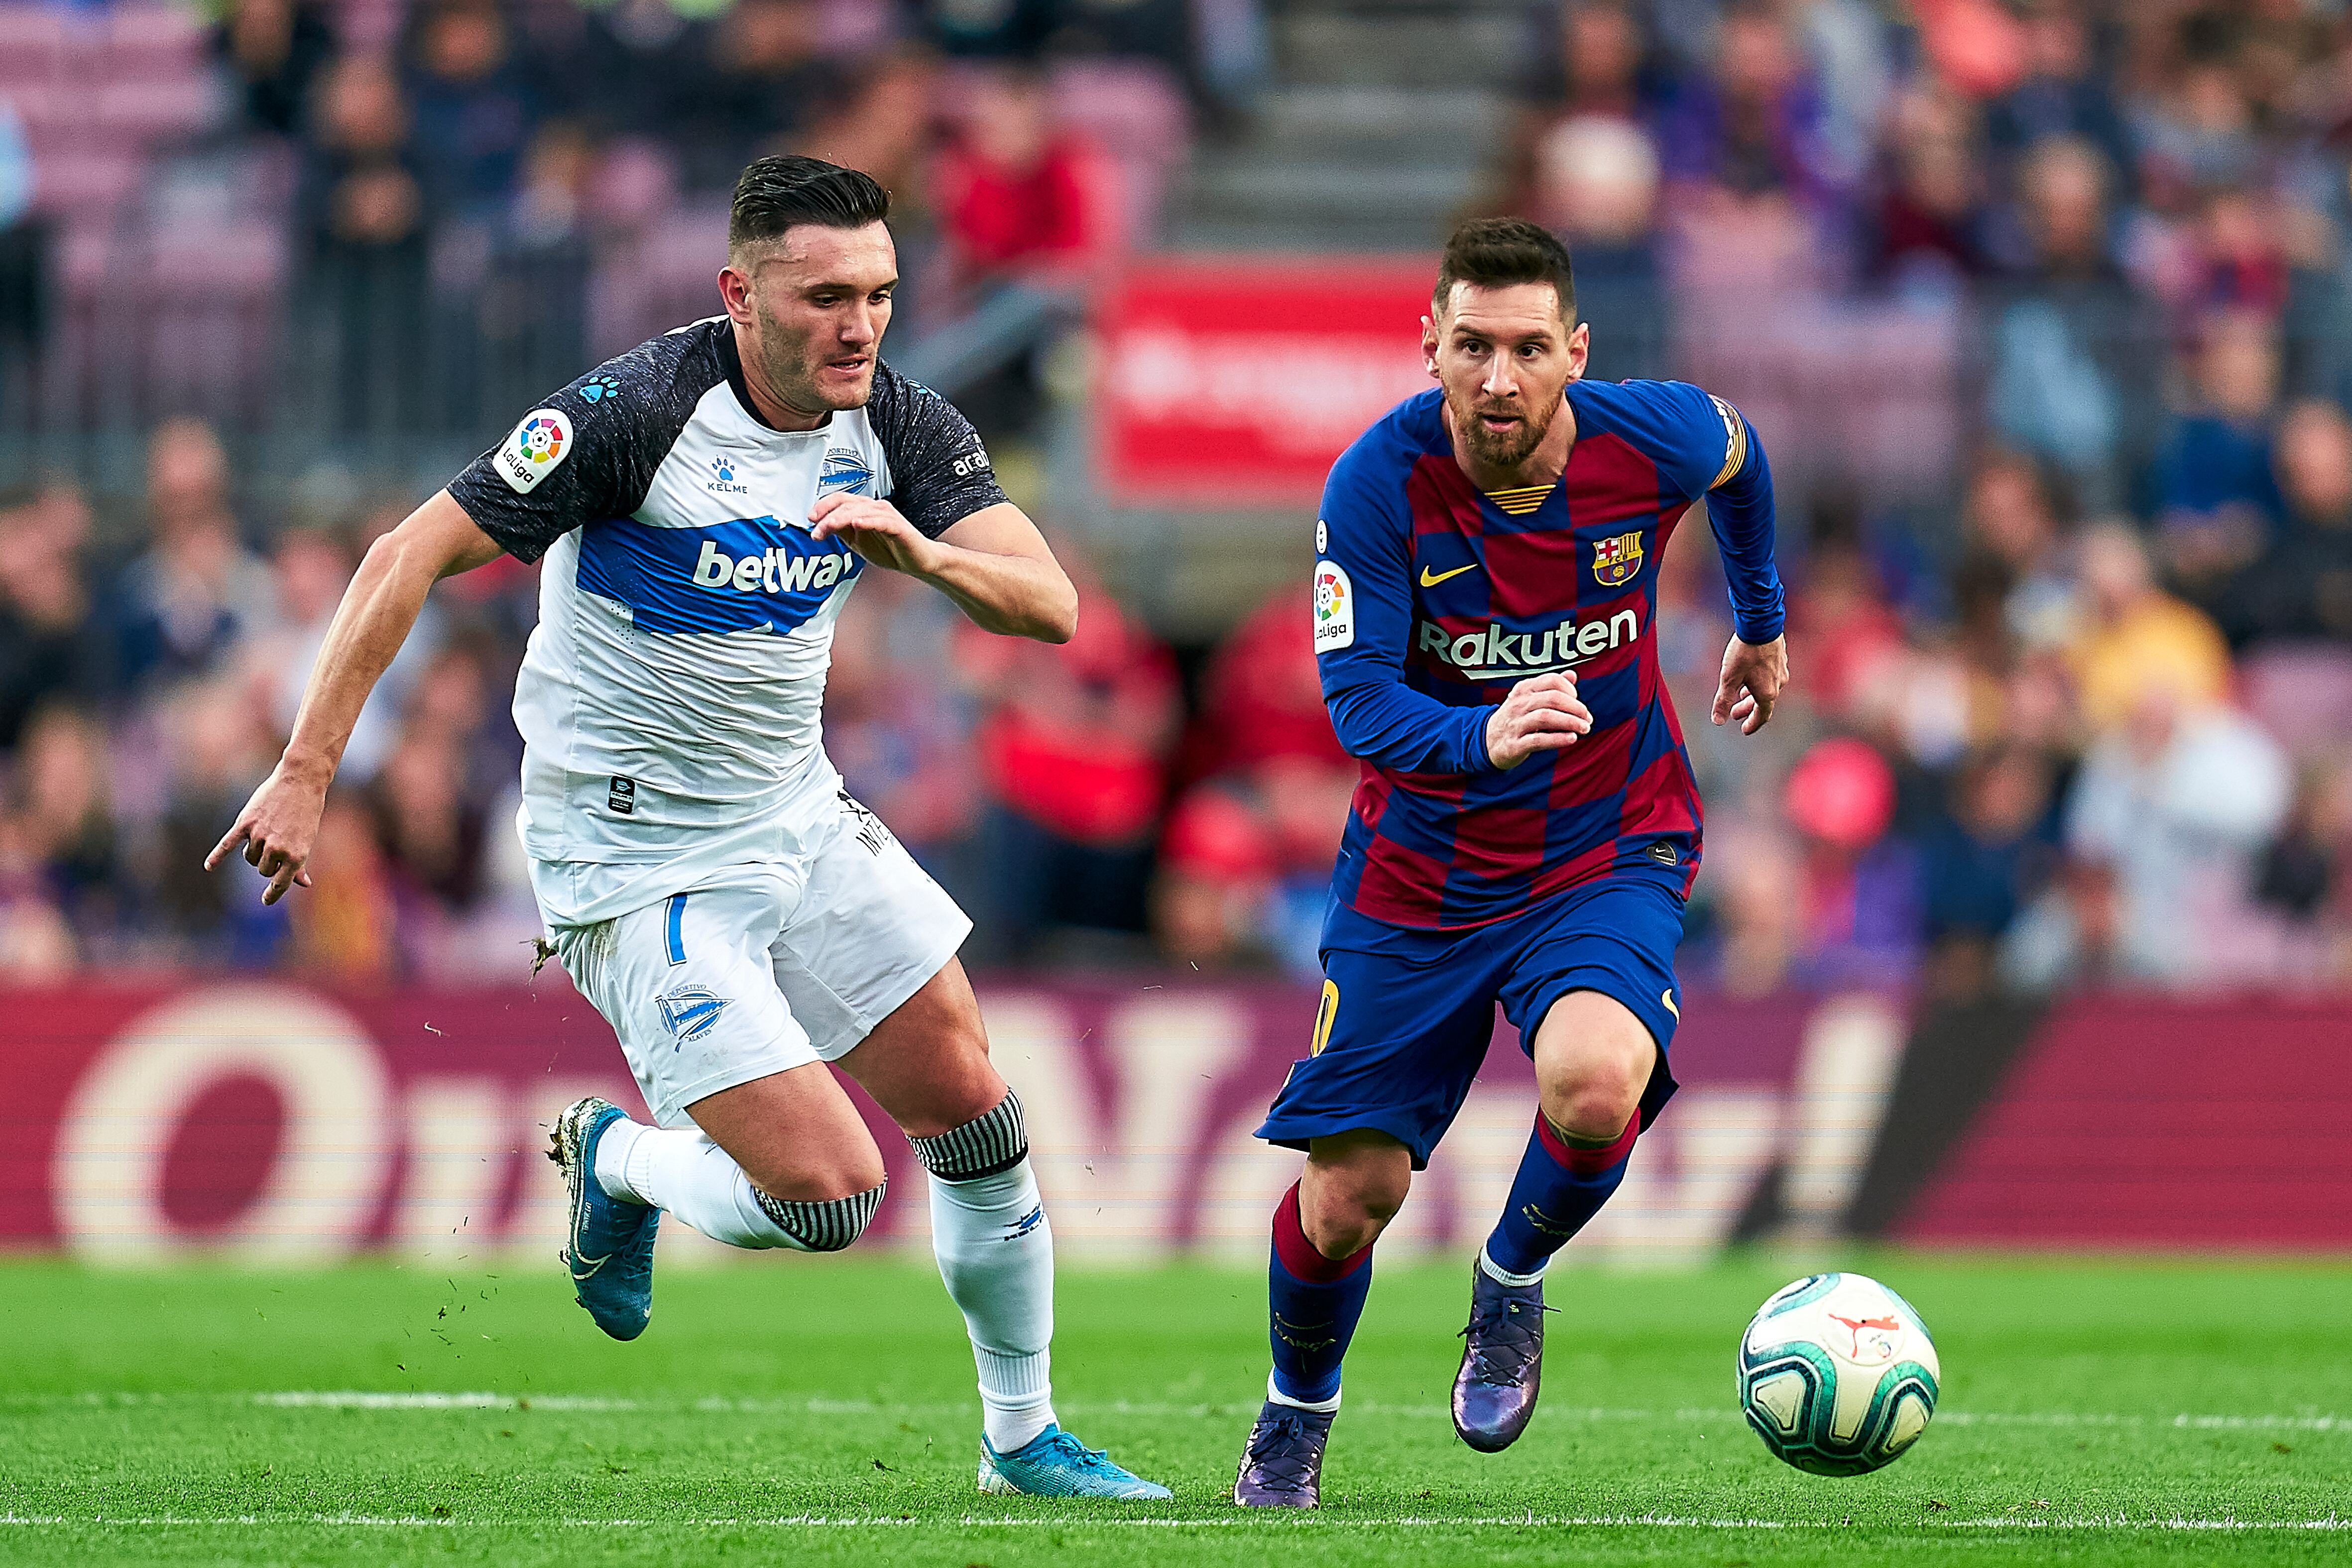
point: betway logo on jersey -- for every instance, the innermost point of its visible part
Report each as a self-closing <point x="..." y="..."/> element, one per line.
<point x="1498" y="654"/>
<point x="772" y="570"/>
<point x="749" y="574"/>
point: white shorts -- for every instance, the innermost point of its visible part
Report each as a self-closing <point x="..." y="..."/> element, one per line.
<point x="771" y="967"/>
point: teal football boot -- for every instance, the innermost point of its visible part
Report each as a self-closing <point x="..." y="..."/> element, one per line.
<point x="1055" y="1464"/>
<point x="610" y="1246"/>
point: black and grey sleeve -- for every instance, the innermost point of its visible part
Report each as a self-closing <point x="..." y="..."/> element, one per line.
<point x="939" y="473"/>
<point x="588" y="452"/>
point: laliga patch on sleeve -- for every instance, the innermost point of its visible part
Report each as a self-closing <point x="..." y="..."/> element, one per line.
<point x="538" y="443"/>
<point x="1335" y="608"/>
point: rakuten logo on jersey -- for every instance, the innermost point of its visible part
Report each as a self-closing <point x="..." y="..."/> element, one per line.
<point x="1498" y="654"/>
<point x="772" y="570"/>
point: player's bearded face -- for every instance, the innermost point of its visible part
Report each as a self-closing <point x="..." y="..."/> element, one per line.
<point x="818" y="302"/>
<point x="1499" y="431"/>
<point x="1505" y="358"/>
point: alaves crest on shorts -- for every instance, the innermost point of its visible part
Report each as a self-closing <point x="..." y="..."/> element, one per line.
<point x="689" y="1011"/>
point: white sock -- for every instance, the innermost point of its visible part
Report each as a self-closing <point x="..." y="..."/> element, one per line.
<point x="1276" y="1397"/>
<point x="996" y="1249"/>
<point x="1489" y="1267"/>
<point x="611" y="1167"/>
<point x="684" y="1171"/>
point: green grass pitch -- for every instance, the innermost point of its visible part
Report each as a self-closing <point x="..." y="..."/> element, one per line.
<point x="820" y="1411"/>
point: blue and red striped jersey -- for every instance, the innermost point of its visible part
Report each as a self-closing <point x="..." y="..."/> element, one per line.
<point x="1433" y="599"/>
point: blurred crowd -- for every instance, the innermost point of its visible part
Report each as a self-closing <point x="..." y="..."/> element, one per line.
<point x="516" y="146"/>
<point x="452" y="204"/>
<point x="144" y="693"/>
<point x="2088" y="718"/>
<point x="2083" y="717"/>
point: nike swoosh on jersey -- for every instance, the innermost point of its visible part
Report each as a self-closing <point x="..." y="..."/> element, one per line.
<point x="1668" y="997"/>
<point x="1429" y="581"/>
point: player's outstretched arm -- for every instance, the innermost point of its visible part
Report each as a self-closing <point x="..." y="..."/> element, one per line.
<point x="1739" y="509"/>
<point x="280" y="824"/>
<point x="994" y="563"/>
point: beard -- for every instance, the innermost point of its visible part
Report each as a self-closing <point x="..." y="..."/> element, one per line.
<point x="1502" y="448"/>
<point x="793" y="366"/>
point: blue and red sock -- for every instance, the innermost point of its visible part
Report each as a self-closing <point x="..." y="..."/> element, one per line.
<point x="1561" y="1184"/>
<point x="1313" y="1304"/>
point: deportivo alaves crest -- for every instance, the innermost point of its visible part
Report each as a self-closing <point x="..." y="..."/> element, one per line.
<point x="688" y="1012"/>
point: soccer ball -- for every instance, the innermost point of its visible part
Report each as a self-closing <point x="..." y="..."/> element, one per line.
<point x="1837" y="1375"/>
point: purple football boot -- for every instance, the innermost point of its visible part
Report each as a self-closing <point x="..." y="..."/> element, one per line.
<point x="1283" y="1464"/>
<point x="1501" y="1362"/>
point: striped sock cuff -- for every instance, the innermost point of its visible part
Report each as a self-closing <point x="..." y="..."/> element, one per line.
<point x="826" y="1226"/>
<point x="986" y="1146"/>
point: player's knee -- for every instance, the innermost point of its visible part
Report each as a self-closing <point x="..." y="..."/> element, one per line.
<point x="970" y="1087"/>
<point x="820" y="1177"/>
<point x="1597" y="1095"/>
<point x="1596" y="1104"/>
<point x="1345" y="1205"/>
<point x="1343" y="1231"/>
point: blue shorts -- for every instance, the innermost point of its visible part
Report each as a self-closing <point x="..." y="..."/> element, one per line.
<point x="1407" y="1015"/>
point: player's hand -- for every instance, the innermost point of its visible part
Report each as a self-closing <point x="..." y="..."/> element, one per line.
<point x="875" y="530"/>
<point x="1753" y="675"/>
<point x="1543" y="713"/>
<point x="278" y="829"/>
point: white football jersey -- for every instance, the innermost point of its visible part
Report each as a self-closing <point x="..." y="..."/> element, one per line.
<point x="670" y="697"/>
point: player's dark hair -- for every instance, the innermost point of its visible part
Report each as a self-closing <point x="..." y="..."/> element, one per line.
<point x="1495" y="253"/>
<point x="776" y="193"/>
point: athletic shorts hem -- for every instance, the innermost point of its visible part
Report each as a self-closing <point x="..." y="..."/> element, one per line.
<point x="678" y="1102"/>
<point x="1652" y="1012"/>
<point x="889" y="999"/>
<point x="1296" y="1132"/>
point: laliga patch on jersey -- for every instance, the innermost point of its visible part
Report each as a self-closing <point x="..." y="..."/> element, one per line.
<point x="1335" y="608"/>
<point x="541" y="441"/>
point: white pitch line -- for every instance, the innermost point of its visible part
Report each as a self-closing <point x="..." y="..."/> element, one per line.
<point x="483" y="1399"/>
<point x="362" y="1399"/>
<point x="2331" y="1523"/>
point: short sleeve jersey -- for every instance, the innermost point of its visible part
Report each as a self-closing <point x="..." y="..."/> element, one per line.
<point x="669" y="700"/>
<point x="1428" y="584"/>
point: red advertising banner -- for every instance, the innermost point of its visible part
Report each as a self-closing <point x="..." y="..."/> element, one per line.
<point x="2154" y="1123"/>
<point x="277" y="1124"/>
<point x="1242" y="379"/>
<point x="269" y="1122"/>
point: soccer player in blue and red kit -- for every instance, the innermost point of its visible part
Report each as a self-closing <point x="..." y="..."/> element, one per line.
<point x="1526" y="827"/>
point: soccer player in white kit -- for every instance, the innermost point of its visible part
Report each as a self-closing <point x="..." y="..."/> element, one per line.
<point x="705" y="503"/>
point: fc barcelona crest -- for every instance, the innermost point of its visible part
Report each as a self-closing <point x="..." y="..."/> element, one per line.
<point x="1616" y="560"/>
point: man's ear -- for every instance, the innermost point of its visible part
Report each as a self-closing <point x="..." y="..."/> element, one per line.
<point x="735" y="292"/>
<point x="1580" y="350"/>
<point x="1429" y="344"/>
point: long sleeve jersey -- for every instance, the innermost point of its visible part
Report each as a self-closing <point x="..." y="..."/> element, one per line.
<point x="1432" y="599"/>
